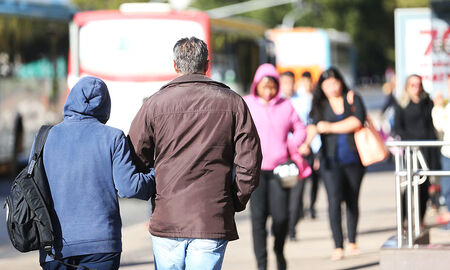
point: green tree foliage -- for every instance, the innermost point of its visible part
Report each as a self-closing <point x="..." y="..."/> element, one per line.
<point x="369" y="22"/>
<point x="30" y="39"/>
<point x="270" y="16"/>
<point x="411" y="3"/>
<point x="27" y="39"/>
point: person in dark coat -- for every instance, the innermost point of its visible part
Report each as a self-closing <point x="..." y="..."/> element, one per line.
<point x="194" y="131"/>
<point x="413" y="122"/>
<point x="336" y="119"/>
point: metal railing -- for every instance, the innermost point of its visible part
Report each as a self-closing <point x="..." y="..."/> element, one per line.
<point x="411" y="170"/>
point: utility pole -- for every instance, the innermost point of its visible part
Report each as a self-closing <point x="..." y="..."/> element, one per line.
<point x="239" y="8"/>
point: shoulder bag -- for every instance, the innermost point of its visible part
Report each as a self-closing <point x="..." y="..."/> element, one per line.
<point x="370" y="145"/>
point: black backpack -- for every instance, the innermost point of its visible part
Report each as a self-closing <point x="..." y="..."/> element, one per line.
<point x="27" y="206"/>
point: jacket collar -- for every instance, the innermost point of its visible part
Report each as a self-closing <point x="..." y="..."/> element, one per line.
<point x="193" y="78"/>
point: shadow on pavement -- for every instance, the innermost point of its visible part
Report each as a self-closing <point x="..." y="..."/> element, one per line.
<point x="128" y="264"/>
<point x="388" y="229"/>
<point x="361" y="266"/>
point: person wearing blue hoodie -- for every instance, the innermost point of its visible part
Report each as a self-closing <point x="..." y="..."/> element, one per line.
<point x="87" y="165"/>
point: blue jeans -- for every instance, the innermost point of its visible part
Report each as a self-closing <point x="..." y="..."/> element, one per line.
<point x="445" y="181"/>
<point x="188" y="253"/>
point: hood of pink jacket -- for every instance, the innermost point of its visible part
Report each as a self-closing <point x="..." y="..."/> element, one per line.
<point x="274" y="121"/>
<point x="265" y="70"/>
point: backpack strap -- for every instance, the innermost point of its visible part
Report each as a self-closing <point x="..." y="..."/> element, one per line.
<point x="41" y="138"/>
<point x="39" y="143"/>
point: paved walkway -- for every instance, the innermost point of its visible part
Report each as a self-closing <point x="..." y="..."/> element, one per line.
<point x="312" y="251"/>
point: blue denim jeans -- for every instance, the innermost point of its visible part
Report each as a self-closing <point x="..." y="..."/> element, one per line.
<point x="445" y="181"/>
<point x="188" y="253"/>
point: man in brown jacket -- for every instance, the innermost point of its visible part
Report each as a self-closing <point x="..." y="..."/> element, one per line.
<point x="193" y="131"/>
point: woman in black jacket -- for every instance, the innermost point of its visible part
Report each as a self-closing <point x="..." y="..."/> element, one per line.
<point x="335" y="119"/>
<point x="413" y="122"/>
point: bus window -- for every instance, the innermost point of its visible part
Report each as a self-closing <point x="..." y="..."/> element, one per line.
<point x="235" y="61"/>
<point x="134" y="48"/>
<point x="314" y="50"/>
<point x="132" y="52"/>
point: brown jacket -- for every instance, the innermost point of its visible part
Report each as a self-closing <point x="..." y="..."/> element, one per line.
<point x="192" y="132"/>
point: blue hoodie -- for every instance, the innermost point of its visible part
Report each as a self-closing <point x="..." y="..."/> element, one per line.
<point x="87" y="165"/>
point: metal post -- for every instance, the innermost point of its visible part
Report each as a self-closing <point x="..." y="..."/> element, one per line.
<point x="416" y="180"/>
<point x="398" y="196"/>
<point x="243" y="7"/>
<point x="409" y="195"/>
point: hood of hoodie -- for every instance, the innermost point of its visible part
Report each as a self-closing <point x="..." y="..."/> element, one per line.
<point x="265" y="70"/>
<point x="89" y="98"/>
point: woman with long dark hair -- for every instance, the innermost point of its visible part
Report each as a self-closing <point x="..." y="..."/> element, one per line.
<point x="336" y="118"/>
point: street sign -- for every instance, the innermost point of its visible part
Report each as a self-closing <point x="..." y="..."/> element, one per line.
<point x="422" y="46"/>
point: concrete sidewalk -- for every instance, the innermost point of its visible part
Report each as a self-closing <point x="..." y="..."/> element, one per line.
<point x="312" y="251"/>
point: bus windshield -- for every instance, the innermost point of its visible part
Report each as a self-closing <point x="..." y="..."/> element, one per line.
<point x="133" y="48"/>
<point x="295" y="47"/>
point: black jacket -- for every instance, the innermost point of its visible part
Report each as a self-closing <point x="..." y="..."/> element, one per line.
<point x="329" y="141"/>
<point x="414" y="123"/>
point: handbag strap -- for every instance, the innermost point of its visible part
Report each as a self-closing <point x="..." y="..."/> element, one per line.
<point x="350" y="100"/>
<point x="350" y="97"/>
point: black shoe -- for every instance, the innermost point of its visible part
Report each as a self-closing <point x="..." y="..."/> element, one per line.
<point x="312" y="211"/>
<point x="292" y="238"/>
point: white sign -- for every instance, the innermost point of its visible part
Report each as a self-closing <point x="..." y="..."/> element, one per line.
<point x="422" y="46"/>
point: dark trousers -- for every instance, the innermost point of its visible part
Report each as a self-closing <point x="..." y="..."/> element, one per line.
<point x="100" y="261"/>
<point x="296" y="208"/>
<point x="343" y="183"/>
<point x="432" y="158"/>
<point x="423" y="199"/>
<point x="269" y="198"/>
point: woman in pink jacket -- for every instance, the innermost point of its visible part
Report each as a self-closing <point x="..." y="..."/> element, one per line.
<point x="274" y="118"/>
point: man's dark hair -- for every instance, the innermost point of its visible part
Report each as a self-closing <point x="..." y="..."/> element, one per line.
<point x="288" y="73"/>
<point x="306" y="74"/>
<point x="190" y="55"/>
